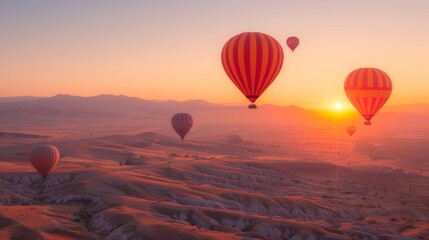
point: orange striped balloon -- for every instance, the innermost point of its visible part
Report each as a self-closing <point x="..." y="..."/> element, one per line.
<point x="252" y="60"/>
<point x="44" y="158"/>
<point x="368" y="89"/>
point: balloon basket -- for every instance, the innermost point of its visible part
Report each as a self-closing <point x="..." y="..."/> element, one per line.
<point x="367" y="123"/>
<point x="252" y="106"/>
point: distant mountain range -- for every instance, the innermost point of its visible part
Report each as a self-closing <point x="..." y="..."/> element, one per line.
<point x="418" y="107"/>
<point x="111" y="105"/>
<point x="100" y="103"/>
<point x="65" y="109"/>
<point x="17" y="99"/>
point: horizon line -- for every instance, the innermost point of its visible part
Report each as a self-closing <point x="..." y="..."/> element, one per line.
<point x="196" y="99"/>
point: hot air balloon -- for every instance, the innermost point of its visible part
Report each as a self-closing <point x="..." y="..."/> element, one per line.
<point x="368" y="89"/>
<point x="292" y="42"/>
<point x="351" y="130"/>
<point x="44" y="158"/>
<point x="182" y="123"/>
<point x="252" y="60"/>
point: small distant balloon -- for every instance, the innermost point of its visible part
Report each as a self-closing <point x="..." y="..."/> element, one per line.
<point x="292" y="42"/>
<point x="252" y="60"/>
<point x="351" y="130"/>
<point x="182" y="123"/>
<point x="368" y="89"/>
<point x="44" y="158"/>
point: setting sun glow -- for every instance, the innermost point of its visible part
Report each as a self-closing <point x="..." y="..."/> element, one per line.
<point x="339" y="106"/>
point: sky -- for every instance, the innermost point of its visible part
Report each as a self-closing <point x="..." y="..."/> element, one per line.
<point x="171" y="49"/>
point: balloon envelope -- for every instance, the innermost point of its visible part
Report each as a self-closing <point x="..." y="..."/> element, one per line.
<point x="252" y="60"/>
<point x="292" y="42"/>
<point x="44" y="158"/>
<point x="368" y="89"/>
<point x="182" y="123"/>
<point x="351" y="130"/>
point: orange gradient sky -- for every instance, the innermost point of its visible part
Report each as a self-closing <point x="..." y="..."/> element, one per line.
<point x="171" y="49"/>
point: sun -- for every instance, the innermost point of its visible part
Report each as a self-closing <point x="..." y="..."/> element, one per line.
<point x="339" y="106"/>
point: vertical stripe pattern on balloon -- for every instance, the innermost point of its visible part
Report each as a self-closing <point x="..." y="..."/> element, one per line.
<point x="182" y="123"/>
<point x="252" y="61"/>
<point x="368" y="89"/>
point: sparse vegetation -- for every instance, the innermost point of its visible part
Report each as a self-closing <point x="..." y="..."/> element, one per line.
<point x="126" y="162"/>
<point x="39" y="198"/>
<point x="406" y="227"/>
<point x="83" y="216"/>
<point x="13" y="199"/>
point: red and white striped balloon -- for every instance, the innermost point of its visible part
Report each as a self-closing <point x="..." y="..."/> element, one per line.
<point x="182" y="123"/>
<point x="44" y="158"/>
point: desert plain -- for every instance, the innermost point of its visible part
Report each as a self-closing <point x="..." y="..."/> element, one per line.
<point x="270" y="173"/>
